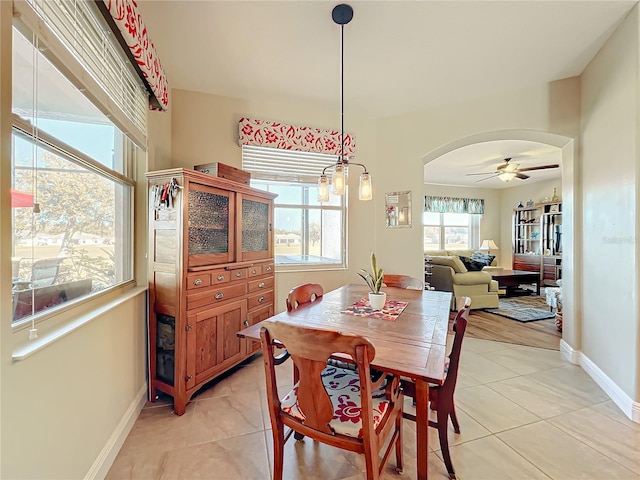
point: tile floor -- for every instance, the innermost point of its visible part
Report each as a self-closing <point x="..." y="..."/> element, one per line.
<point x="524" y="413"/>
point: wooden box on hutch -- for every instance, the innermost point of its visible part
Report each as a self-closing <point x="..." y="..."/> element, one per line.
<point x="211" y="274"/>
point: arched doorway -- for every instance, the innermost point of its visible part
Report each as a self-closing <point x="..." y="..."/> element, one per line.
<point x="570" y="207"/>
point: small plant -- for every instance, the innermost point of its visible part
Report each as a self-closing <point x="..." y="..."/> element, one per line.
<point x="373" y="278"/>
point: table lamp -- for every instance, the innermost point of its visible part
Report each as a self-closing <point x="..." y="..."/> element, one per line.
<point x="488" y="245"/>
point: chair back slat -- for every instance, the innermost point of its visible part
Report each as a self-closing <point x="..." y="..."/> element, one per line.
<point x="459" y="327"/>
<point x="303" y="294"/>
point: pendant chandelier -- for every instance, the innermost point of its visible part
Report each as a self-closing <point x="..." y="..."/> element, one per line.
<point x="342" y="14"/>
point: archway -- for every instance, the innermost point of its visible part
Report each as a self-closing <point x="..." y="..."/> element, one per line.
<point x="571" y="214"/>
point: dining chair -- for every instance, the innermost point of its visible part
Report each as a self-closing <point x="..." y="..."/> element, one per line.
<point x="339" y="407"/>
<point x="441" y="397"/>
<point x="305" y="293"/>
<point x="402" y="281"/>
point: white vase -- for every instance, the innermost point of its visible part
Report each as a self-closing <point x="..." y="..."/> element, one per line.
<point x="376" y="300"/>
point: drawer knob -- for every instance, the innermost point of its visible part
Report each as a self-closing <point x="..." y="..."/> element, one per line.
<point x="188" y="328"/>
<point x="197" y="281"/>
<point x="238" y="274"/>
<point x="268" y="268"/>
<point x="261" y="285"/>
<point x="254" y="271"/>
<point x="220" y="277"/>
<point x="187" y="378"/>
<point x="246" y="323"/>
<point x="261" y="300"/>
<point x="219" y="295"/>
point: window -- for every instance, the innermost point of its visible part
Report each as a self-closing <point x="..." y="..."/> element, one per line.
<point x="305" y="231"/>
<point x="451" y="231"/>
<point x="72" y="184"/>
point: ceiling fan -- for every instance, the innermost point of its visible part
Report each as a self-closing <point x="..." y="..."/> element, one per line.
<point x="508" y="171"/>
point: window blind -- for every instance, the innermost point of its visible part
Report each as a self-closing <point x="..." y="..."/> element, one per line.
<point x="275" y="164"/>
<point x="79" y="28"/>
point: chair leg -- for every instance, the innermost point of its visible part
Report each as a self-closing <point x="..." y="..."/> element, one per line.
<point x="278" y="452"/>
<point x="399" y="459"/>
<point x="443" y="418"/>
<point x="454" y="419"/>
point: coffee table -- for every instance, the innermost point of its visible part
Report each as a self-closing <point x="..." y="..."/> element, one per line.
<point x="510" y="280"/>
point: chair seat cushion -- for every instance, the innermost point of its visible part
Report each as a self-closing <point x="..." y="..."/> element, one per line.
<point x="343" y="387"/>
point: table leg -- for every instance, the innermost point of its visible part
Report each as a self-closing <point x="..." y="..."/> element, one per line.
<point x="422" y="428"/>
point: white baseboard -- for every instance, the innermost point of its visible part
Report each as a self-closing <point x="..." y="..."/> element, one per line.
<point x="108" y="454"/>
<point x="630" y="408"/>
<point x="568" y="353"/>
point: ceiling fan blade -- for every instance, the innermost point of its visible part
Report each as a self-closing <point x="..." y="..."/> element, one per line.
<point x="541" y="167"/>
<point x="486" y="173"/>
<point x="483" y="179"/>
<point x="521" y="176"/>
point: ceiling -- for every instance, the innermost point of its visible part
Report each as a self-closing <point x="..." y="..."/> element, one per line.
<point x="400" y="56"/>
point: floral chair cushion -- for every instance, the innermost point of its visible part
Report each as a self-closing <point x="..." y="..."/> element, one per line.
<point x="343" y="387"/>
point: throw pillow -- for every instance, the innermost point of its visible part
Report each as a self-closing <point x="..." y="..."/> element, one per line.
<point x="483" y="258"/>
<point x="472" y="265"/>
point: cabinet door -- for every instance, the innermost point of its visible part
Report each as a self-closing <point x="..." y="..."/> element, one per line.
<point x="209" y="229"/>
<point x="212" y="343"/>
<point x="255" y="316"/>
<point x="255" y="235"/>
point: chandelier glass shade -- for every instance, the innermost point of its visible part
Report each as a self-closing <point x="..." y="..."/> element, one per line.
<point x="342" y="14"/>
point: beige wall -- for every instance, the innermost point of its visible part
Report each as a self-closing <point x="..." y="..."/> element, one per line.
<point x="610" y="126"/>
<point x="205" y="129"/>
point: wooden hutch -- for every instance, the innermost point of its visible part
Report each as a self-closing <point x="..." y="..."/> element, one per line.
<point x="211" y="274"/>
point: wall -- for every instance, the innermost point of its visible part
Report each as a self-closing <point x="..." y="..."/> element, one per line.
<point x="610" y="126"/>
<point x="205" y="129"/>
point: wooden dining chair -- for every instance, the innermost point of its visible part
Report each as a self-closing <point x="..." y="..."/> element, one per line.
<point x="305" y="293"/>
<point x="402" y="281"/>
<point x="441" y="397"/>
<point x="339" y="407"/>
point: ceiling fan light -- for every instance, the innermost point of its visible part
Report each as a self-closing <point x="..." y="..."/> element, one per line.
<point x="511" y="167"/>
<point x="506" y="176"/>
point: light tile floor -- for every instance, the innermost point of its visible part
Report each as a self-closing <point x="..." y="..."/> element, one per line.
<point x="524" y="414"/>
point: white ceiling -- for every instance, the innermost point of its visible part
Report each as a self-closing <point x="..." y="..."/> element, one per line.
<point x="400" y="56"/>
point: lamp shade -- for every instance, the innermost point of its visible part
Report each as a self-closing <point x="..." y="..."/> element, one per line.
<point x="488" y="245"/>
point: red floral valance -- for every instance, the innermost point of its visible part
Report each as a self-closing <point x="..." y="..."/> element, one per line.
<point x="290" y="137"/>
<point x="133" y="34"/>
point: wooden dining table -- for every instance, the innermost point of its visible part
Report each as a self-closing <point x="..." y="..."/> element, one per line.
<point x="413" y="345"/>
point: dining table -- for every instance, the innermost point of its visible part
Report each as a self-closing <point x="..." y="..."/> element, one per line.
<point x="411" y="344"/>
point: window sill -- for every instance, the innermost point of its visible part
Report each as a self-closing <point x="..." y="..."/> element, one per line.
<point x="28" y="348"/>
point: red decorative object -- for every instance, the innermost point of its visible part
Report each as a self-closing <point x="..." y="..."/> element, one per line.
<point x="290" y="137"/>
<point x="134" y="33"/>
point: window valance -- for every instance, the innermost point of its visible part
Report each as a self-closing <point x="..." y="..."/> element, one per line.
<point x="134" y="39"/>
<point x="263" y="133"/>
<point x="453" y="205"/>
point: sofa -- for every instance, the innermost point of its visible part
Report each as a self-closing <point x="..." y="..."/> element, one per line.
<point x="449" y="274"/>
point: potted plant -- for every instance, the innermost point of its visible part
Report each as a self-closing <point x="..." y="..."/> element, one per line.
<point x="373" y="279"/>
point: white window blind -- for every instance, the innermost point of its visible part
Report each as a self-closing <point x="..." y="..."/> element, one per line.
<point x="80" y="29"/>
<point x="286" y="165"/>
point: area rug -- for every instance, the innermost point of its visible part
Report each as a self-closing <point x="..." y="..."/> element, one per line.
<point x="523" y="309"/>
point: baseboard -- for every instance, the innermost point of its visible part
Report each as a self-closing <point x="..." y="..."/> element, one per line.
<point x="630" y="408"/>
<point x="568" y="353"/>
<point x="108" y="454"/>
